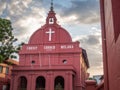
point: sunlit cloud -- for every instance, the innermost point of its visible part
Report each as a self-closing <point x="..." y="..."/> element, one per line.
<point x="86" y="11"/>
<point x="92" y="44"/>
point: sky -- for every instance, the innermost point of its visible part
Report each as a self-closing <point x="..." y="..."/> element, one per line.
<point x="81" y="18"/>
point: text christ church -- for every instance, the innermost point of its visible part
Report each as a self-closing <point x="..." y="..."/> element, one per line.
<point x="50" y="60"/>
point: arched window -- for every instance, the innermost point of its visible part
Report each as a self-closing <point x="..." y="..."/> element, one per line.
<point x="40" y="83"/>
<point x="59" y="83"/>
<point x="23" y="83"/>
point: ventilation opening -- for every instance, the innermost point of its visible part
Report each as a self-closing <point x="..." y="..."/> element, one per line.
<point x="33" y="62"/>
<point x="64" y="61"/>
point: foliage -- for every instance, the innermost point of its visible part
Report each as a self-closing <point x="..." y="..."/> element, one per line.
<point x="7" y="40"/>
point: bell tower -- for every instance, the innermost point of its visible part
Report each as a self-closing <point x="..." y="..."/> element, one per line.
<point x="51" y="18"/>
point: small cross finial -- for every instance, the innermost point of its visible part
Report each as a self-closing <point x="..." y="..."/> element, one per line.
<point x="51" y="8"/>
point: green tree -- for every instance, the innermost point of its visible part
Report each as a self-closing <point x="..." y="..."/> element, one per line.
<point x="7" y="40"/>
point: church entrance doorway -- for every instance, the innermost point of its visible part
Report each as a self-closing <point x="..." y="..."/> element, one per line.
<point x="40" y="83"/>
<point x="59" y="83"/>
<point x="23" y="83"/>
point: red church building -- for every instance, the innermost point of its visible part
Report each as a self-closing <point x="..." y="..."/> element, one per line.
<point x="50" y="60"/>
<point x="110" y="17"/>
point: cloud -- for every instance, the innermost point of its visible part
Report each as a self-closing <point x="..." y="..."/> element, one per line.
<point x="83" y="11"/>
<point x="93" y="46"/>
<point x="24" y="15"/>
<point x="90" y="40"/>
<point x="2" y="5"/>
<point x="20" y="12"/>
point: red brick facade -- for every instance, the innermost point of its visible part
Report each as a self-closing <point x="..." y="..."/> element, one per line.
<point x="110" y="17"/>
<point x="50" y="61"/>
